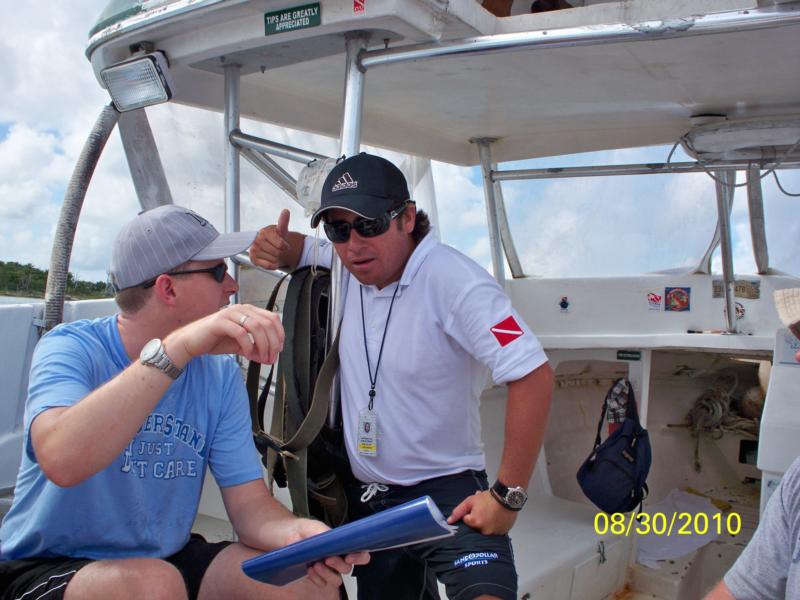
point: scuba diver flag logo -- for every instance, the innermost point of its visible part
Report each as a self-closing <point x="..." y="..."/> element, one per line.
<point x="506" y="331"/>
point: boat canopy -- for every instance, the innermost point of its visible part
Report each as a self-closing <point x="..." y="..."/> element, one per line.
<point x="583" y="80"/>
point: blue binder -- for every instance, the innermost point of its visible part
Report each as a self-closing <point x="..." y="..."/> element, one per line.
<point x="411" y="523"/>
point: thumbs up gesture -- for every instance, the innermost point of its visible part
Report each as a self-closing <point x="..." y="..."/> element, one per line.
<point x="274" y="247"/>
<point x="282" y="227"/>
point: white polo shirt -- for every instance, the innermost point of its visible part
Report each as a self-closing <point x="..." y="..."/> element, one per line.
<point x="451" y="325"/>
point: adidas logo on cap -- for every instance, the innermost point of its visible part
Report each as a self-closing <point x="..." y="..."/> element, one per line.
<point x="345" y="182"/>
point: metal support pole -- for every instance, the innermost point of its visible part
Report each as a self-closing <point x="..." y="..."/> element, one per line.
<point x="505" y="232"/>
<point x="350" y="143"/>
<point x="758" y="233"/>
<point x="491" y="208"/>
<point x="704" y="266"/>
<point x="243" y="258"/>
<point x="350" y="138"/>
<point x="243" y="140"/>
<point x="232" y="75"/>
<point x="632" y="169"/>
<point x="724" y="183"/>
<point x="144" y="161"/>
<point x="273" y="171"/>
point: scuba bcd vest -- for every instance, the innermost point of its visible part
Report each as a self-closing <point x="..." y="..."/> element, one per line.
<point x="301" y="451"/>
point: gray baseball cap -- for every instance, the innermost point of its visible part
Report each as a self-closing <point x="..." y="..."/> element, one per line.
<point x="158" y="240"/>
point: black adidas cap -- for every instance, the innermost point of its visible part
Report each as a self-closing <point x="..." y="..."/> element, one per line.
<point x="365" y="184"/>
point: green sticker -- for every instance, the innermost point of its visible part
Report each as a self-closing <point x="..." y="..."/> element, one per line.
<point x="292" y="19"/>
<point x="629" y="355"/>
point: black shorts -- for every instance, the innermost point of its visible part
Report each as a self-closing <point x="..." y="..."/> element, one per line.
<point x="468" y="564"/>
<point x="38" y="576"/>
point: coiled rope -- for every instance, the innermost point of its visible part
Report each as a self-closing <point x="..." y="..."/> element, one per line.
<point x="711" y="414"/>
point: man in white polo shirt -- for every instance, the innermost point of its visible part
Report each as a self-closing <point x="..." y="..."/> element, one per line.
<point x="422" y="327"/>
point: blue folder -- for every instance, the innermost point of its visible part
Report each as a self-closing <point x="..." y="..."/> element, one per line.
<point x="413" y="522"/>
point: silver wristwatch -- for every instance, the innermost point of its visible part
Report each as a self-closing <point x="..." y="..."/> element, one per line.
<point x="153" y="355"/>
<point x="513" y="498"/>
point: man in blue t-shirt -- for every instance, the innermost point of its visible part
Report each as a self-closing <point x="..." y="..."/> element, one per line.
<point x="125" y="414"/>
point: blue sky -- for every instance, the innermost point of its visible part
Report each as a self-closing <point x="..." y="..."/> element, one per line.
<point x="579" y="227"/>
<point x="626" y="225"/>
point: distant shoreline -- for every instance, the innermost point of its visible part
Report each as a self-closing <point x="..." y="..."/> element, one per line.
<point x="31" y="295"/>
<point x="8" y="300"/>
<point x="7" y="297"/>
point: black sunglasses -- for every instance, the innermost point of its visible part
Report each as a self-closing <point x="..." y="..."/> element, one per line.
<point x="217" y="271"/>
<point x="339" y="231"/>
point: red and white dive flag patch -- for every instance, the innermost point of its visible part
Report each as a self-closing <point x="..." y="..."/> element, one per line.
<point x="506" y="331"/>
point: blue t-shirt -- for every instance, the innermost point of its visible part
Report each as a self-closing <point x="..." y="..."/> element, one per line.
<point x="145" y="501"/>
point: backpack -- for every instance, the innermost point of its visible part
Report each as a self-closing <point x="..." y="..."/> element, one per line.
<point x="301" y="451"/>
<point x="614" y="475"/>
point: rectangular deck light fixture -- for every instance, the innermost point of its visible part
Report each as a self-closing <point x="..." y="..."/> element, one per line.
<point x="138" y="82"/>
<point x="759" y="139"/>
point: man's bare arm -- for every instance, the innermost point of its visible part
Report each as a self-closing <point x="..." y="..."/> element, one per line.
<point x="66" y="441"/>
<point x="263" y="523"/>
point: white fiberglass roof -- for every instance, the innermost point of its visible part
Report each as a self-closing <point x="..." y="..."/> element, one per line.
<point x="537" y="102"/>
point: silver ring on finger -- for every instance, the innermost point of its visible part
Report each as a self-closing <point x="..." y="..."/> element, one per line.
<point x="243" y="319"/>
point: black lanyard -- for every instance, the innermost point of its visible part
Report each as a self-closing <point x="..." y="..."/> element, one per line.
<point x="372" y="379"/>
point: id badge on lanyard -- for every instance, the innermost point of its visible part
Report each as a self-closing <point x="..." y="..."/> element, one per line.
<point x="368" y="433"/>
<point x="367" y="418"/>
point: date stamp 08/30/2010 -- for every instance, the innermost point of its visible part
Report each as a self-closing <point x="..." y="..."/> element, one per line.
<point x="663" y="524"/>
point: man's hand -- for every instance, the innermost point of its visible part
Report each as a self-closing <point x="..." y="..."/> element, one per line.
<point x="328" y="572"/>
<point x="271" y="248"/>
<point x="253" y="332"/>
<point x="482" y="512"/>
<point x="264" y="523"/>
<point x="720" y="592"/>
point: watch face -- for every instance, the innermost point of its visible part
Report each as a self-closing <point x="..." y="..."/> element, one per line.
<point x="150" y="350"/>
<point x="516" y="498"/>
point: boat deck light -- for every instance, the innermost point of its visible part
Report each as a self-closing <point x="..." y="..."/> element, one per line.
<point x="138" y="82"/>
<point x="759" y="139"/>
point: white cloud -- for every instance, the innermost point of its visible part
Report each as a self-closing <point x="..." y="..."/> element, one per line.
<point x="461" y="209"/>
<point x="782" y="222"/>
<point x="459" y="200"/>
<point x="48" y="82"/>
<point x="32" y="170"/>
<point x="32" y="165"/>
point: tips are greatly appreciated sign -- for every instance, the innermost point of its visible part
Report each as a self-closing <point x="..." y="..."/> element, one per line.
<point x="292" y="19"/>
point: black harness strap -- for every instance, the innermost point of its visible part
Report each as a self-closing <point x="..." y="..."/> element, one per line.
<point x="310" y="453"/>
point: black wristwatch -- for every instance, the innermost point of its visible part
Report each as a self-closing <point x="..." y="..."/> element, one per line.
<point x="513" y="498"/>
